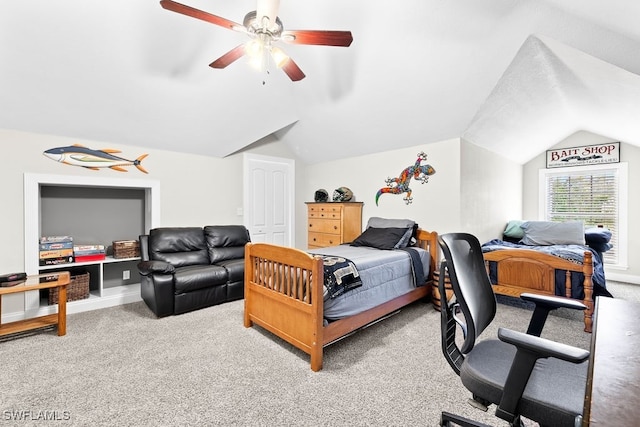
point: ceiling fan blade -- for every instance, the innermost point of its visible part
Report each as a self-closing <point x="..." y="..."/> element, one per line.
<point x="292" y="70"/>
<point x="318" y="37"/>
<point x="199" y="14"/>
<point x="229" y="57"/>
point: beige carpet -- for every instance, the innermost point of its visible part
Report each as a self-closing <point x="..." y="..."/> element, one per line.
<point x="123" y="367"/>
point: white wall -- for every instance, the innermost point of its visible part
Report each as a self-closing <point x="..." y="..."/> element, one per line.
<point x="435" y="204"/>
<point x="491" y="191"/>
<point x="628" y="153"/>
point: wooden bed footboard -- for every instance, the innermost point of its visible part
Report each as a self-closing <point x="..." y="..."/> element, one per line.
<point x="525" y="270"/>
<point x="284" y="294"/>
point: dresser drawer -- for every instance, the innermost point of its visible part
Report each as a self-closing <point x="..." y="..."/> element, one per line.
<point x="325" y="210"/>
<point x="322" y="240"/>
<point x="331" y="226"/>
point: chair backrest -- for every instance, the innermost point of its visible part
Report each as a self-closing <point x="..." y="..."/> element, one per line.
<point x="470" y="282"/>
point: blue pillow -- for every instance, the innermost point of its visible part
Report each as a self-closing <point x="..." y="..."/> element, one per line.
<point x="598" y="239"/>
<point x="597" y="235"/>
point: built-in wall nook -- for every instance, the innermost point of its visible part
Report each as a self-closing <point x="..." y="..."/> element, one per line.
<point x="92" y="210"/>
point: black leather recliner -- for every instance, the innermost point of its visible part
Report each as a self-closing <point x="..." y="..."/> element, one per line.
<point x="188" y="268"/>
<point x="522" y="373"/>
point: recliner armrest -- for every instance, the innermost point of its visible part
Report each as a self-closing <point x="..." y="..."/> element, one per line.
<point x="147" y="268"/>
<point x="542" y="346"/>
<point x="544" y="304"/>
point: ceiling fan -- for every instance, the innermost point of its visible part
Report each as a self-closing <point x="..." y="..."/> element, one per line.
<point x="264" y="29"/>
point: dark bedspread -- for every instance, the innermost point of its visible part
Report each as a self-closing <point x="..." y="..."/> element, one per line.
<point x="573" y="253"/>
<point x="340" y="275"/>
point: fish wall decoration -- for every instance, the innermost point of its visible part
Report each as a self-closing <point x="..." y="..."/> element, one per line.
<point x="400" y="185"/>
<point x="79" y="155"/>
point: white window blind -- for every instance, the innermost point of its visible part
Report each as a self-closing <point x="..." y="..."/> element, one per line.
<point x="587" y="195"/>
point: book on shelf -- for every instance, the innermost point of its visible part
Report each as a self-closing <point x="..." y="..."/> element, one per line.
<point x="93" y="257"/>
<point x="48" y="278"/>
<point x="11" y="283"/>
<point x="12" y="277"/>
<point x="56" y="245"/>
<point x="55" y="239"/>
<point x="89" y="248"/>
<point x="57" y="253"/>
<point x="89" y="253"/>
<point x="56" y="261"/>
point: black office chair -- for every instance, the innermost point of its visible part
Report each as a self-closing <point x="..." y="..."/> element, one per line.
<point x="523" y="374"/>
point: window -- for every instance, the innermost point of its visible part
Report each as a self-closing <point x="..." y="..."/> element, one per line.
<point x="595" y="195"/>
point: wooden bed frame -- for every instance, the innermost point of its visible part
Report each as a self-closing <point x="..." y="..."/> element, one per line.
<point x="527" y="270"/>
<point x="283" y="290"/>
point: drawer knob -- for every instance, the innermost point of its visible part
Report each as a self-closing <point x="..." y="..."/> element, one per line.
<point x="335" y="227"/>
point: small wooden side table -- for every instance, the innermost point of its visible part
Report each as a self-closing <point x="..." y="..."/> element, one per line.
<point x="32" y="283"/>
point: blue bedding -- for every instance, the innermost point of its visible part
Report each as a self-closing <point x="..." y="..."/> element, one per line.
<point x="385" y="274"/>
<point x="574" y="253"/>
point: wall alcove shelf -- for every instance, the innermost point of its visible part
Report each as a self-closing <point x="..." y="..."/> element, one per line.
<point x="107" y="286"/>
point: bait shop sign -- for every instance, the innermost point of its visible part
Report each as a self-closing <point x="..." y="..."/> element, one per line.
<point x="586" y="155"/>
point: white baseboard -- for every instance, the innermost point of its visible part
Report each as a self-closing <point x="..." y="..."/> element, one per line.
<point x="626" y="278"/>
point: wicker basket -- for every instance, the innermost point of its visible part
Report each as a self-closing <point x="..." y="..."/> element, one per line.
<point x="126" y="249"/>
<point x="77" y="289"/>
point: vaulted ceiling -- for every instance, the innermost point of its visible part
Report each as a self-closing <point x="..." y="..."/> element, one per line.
<point x="515" y="77"/>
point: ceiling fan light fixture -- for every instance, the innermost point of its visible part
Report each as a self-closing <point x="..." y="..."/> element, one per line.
<point x="256" y="54"/>
<point x="279" y="57"/>
<point x="253" y="48"/>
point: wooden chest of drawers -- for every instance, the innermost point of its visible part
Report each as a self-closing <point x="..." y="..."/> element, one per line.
<point x="333" y="223"/>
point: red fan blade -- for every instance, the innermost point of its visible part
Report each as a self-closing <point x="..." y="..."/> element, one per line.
<point x="229" y="57"/>
<point x="199" y="14"/>
<point x="292" y="70"/>
<point x="318" y="37"/>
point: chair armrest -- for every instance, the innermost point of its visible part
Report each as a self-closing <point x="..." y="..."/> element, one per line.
<point x="543" y="347"/>
<point x="147" y="268"/>
<point x="553" y="301"/>
<point x="544" y="304"/>
<point x="530" y="348"/>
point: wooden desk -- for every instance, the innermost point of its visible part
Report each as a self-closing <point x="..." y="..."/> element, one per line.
<point x="613" y="386"/>
<point x="32" y="283"/>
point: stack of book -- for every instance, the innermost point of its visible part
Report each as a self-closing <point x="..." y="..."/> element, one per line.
<point x="56" y="250"/>
<point x="84" y="253"/>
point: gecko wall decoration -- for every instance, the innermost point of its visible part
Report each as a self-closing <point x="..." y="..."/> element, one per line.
<point x="400" y="185"/>
<point x="78" y="155"/>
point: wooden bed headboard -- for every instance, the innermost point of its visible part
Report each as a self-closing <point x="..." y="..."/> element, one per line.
<point x="428" y="240"/>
